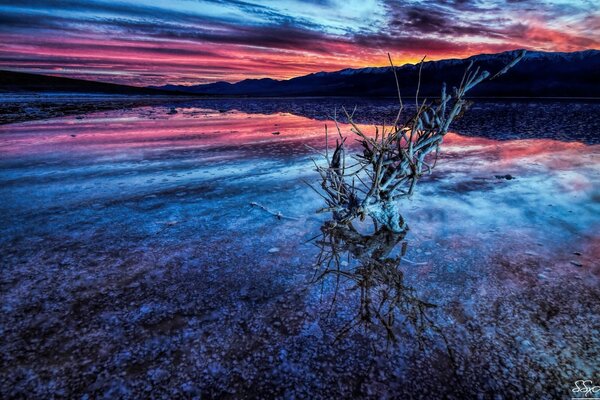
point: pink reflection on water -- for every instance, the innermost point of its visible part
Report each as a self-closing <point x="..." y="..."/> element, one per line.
<point x="509" y="149"/>
<point x="151" y="128"/>
<point x="117" y="131"/>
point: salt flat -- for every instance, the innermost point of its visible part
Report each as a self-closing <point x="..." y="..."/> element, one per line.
<point x="132" y="261"/>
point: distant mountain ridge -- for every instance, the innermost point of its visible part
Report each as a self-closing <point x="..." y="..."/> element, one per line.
<point x="12" y="81"/>
<point x="539" y="74"/>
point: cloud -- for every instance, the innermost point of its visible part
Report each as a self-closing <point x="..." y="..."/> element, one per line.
<point x="190" y="41"/>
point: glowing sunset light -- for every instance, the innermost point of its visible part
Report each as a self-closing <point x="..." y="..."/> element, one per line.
<point x="185" y="42"/>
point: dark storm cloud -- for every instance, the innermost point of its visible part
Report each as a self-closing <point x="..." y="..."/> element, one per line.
<point x="415" y="20"/>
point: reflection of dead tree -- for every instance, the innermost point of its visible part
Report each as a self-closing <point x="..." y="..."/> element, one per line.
<point x="394" y="158"/>
<point x="364" y="261"/>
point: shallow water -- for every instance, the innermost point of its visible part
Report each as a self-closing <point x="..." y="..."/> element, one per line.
<point x="133" y="263"/>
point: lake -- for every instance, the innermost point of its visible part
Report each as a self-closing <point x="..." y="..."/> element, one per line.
<point x="133" y="262"/>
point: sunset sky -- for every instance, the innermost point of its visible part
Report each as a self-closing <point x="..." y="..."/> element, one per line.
<point x="147" y="42"/>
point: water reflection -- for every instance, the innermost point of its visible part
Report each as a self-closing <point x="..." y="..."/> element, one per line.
<point x="145" y="222"/>
<point x="496" y="119"/>
<point x="368" y="266"/>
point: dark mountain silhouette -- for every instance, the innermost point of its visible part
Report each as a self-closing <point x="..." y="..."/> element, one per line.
<point x="539" y="74"/>
<point x="11" y="81"/>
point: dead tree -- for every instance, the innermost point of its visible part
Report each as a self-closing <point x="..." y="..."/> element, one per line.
<point x="368" y="184"/>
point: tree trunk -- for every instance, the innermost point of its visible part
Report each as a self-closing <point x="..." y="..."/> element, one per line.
<point x="387" y="214"/>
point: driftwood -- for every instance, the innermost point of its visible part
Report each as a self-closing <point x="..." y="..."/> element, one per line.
<point x="368" y="184"/>
<point x="276" y="214"/>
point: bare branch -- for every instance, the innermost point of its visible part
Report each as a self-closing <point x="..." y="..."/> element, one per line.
<point x="389" y="164"/>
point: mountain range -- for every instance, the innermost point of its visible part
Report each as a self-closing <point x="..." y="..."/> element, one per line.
<point x="538" y="74"/>
<point x="19" y="82"/>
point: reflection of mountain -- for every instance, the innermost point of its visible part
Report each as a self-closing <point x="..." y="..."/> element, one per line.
<point x="564" y="120"/>
<point x="539" y="74"/>
<point x="364" y="263"/>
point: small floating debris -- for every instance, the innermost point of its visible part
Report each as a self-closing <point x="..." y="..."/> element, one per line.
<point x="508" y="177"/>
<point x="276" y="133"/>
<point x="273" y="250"/>
<point x="73" y="135"/>
<point x="172" y="111"/>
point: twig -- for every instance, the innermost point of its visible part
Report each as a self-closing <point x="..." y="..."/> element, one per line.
<point x="277" y="214"/>
<point x="398" y="89"/>
<point x="413" y="262"/>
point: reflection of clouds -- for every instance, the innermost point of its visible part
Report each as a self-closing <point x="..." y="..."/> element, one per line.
<point x="514" y="150"/>
<point x="462" y="199"/>
<point x="152" y="128"/>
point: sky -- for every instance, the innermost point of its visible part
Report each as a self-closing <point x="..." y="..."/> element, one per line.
<point x="144" y="42"/>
